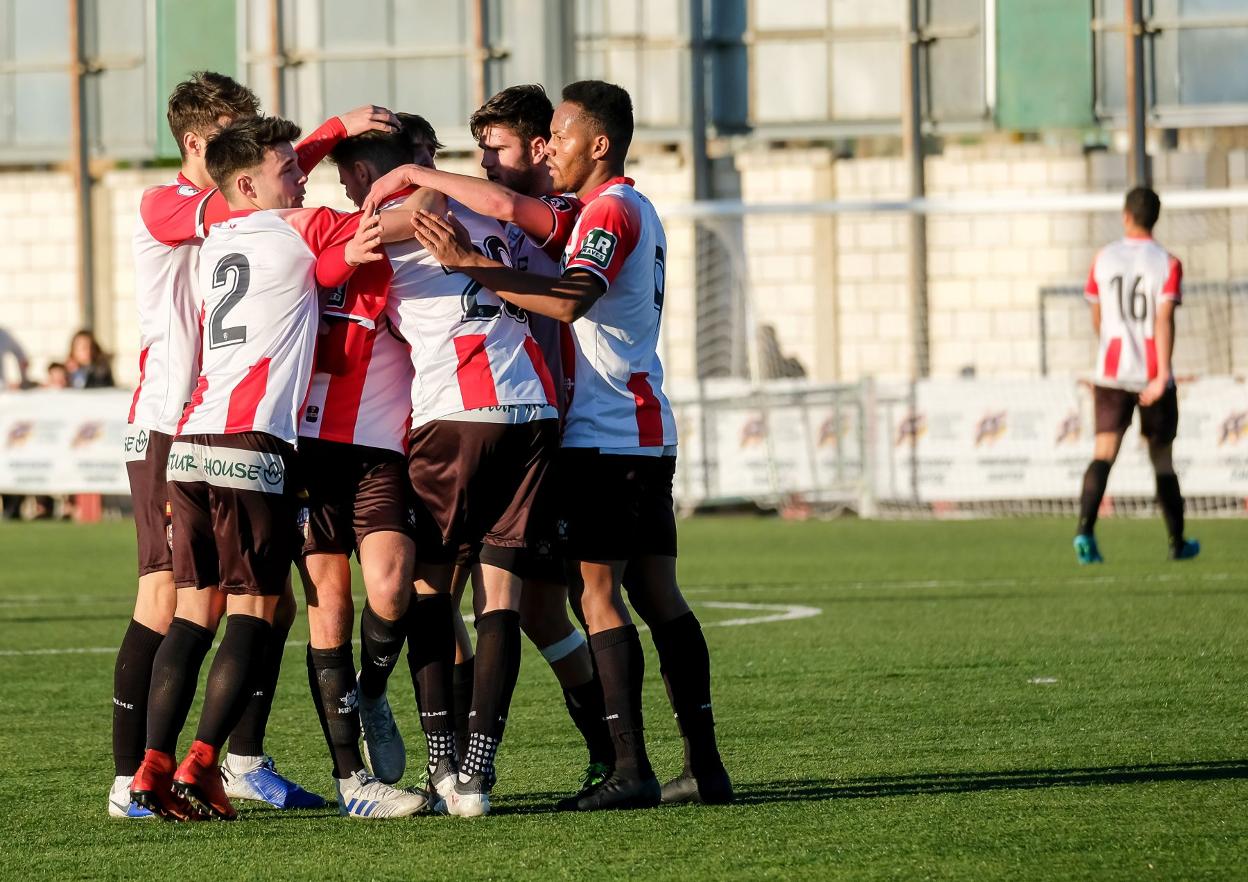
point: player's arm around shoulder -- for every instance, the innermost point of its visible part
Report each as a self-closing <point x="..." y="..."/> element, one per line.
<point x="565" y="298"/>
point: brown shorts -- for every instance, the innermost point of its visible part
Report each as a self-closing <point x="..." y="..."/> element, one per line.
<point x="541" y="560"/>
<point x="147" y="456"/>
<point x="1159" y="421"/>
<point x="235" y="506"/>
<point x="615" y="507"/>
<point x="478" y="482"/>
<point x="352" y="491"/>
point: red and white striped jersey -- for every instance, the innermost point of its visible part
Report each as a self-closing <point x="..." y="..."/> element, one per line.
<point x="617" y="377"/>
<point x="1129" y="278"/>
<point x="469" y="348"/>
<point x="260" y="316"/>
<point x="361" y="386"/>
<point x="553" y="337"/>
<point x="173" y="220"/>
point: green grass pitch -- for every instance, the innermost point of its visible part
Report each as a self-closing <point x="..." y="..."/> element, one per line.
<point x="968" y="703"/>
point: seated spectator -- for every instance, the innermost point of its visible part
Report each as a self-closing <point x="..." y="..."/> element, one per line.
<point x="11" y="352"/>
<point x="58" y="376"/>
<point x="88" y="364"/>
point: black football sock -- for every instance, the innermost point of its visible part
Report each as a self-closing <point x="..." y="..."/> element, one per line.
<point x="232" y="677"/>
<point x="461" y="688"/>
<point x="132" y="678"/>
<point x="1171" y="502"/>
<point x="247" y="739"/>
<point x="585" y="707"/>
<point x="497" y="666"/>
<point x="380" y="643"/>
<point x="430" y="658"/>
<point x="1094" y="481"/>
<point x="622" y="667"/>
<point x="175" y="674"/>
<point x="331" y="677"/>
<point x="685" y="663"/>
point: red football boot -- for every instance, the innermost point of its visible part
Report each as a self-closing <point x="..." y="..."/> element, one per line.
<point x="198" y="781"/>
<point x="152" y="788"/>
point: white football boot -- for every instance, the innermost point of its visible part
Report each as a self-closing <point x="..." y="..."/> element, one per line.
<point x="119" y="804"/>
<point x="470" y="797"/>
<point x="363" y="796"/>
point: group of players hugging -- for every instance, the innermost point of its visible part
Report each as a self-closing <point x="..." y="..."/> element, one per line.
<point x="459" y="379"/>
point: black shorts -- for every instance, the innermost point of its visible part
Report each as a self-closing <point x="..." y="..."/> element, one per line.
<point x="352" y="491"/>
<point x="1159" y="421"/>
<point x="147" y="457"/>
<point x="235" y="508"/>
<point x="615" y="507"/>
<point x="478" y="481"/>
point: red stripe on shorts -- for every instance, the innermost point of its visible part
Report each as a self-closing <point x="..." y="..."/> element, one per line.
<point x="476" y="380"/>
<point x="1112" y="354"/>
<point x="134" y="402"/>
<point x="245" y="398"/>
<point x="649" y="414"/>
<point x="539" y="368"/>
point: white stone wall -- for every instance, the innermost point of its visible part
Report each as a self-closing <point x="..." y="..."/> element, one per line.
<point x="38" y="264"/>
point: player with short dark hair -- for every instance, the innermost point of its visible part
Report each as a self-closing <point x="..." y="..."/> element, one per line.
<point x="619" y="441"/>
<point x="230" y="479"/>
<point x="1134" y="287"/>
<point x="353" y="430"/>
<point x="173" y="220"/>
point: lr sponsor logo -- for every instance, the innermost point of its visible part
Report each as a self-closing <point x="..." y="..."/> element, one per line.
<point x="990" y="429"/>
<point x="1234" y="429"/>
<point x="597" y="247"/>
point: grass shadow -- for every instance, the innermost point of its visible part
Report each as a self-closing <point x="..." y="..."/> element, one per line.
<point x="808" y="790"/>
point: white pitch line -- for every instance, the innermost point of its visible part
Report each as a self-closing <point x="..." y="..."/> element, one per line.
<point x="775" y="612"/>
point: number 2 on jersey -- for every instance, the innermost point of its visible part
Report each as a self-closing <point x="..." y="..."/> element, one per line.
<point x="218" y="334"/>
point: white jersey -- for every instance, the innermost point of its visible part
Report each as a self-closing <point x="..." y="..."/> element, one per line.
<point x="171" y="228"/>
<point x="553" y="337"/>
<point x="260" y="317"/>
<point x="1129" y="278"/>
<point x="617" y="377"/>
<point x="469" y="349"/>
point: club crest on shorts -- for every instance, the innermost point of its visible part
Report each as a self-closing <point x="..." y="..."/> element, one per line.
<point x="302" y="522"/>
<point x="561" y="529"/>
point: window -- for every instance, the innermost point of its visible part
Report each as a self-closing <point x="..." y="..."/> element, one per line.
<point x="35" y="82"/>
<point x="1196" y="69"/>
<point x="838" y="64"/>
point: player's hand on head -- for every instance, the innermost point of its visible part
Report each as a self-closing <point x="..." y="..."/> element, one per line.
<point x="440" y="238"/>
<point x="369" y="118"/>
<point x="365" y="245"/>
